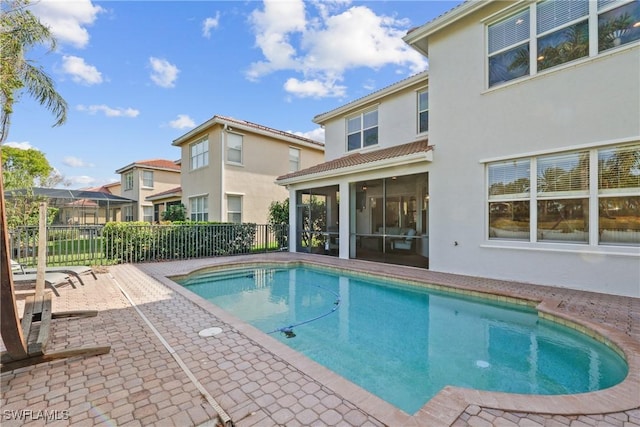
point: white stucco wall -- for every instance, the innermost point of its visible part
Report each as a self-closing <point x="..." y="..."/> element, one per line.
<point x="586" y="103"/>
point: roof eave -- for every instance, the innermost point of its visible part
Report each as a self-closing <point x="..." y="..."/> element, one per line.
<point x="324" y="117"/>
<point x="237" y="125"/>
<point x="425" y="156"/>
<point x="417" y="37"/>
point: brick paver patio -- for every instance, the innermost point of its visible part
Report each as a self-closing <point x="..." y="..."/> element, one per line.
<point x="160" y="371"/>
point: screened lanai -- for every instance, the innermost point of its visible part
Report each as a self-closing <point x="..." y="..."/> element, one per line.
<point x="75" y="207"/>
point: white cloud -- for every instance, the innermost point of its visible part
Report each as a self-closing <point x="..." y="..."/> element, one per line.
<point x="210" y="24"/>
<point x="323" y="48"/>
<point x="314" y="88"/>
<point x="316" y="134"/>
<point x="109" y="111"/>
<point x="76" y="162"/>
<point x="81" y="180"/>
<point x="164" y="74"/>
<point x="67" y="19"/>
<point x="80" y="71"/>
<point x="21" y="145"/>
<point x="182" y="122"/>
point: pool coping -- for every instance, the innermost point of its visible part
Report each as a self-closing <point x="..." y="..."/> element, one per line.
<point x="450" y="402"/>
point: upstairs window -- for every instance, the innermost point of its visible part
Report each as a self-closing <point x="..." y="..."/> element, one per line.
<point x="518" y="46"/>
<point x="294" y="159"/>
<point x="423" y="111"/>
<point x="199" y="154"/>
<point x="128" y="181"/>
<point x="563" y="32"/>
<point x="234" y="148"/>
<point x="147" y="179"/>
<point x="509" y="48"/>
<point x="362" y="130"/>
<point x="617" y="25"/>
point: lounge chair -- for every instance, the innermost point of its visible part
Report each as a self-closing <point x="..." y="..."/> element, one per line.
<point x="405" y="244"/>
<point x="51" y="280"/>
<point x="74" y="270"/>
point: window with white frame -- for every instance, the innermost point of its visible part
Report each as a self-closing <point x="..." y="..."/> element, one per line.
<point x="294" y="159"/>
<point x="147" y="213"/>
<point x="199" y="208"/>
<point x="509" y="199"/>
<point x="234" y="209"/>
<point x="234" y="148"/>
<point x="423" y="111"/>
<point x="147" y="179"/>
<point x="566" y="197"/>
<point x="127" y="213"/>
<point x="619" y="195"/>
<point x="362" y="130"/>
<point x="519" y="46"/>
<point x="128" y="181"/>
<point x="199" y="154"/>
<point x="563" y="197"/>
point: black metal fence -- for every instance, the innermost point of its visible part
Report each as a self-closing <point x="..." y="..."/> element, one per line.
<point x="116" y="243"/>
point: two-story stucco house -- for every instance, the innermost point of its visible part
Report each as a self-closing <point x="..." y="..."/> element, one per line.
<point x="532" y="169"/>
<point x="229" y="167"/>
<point x="143" y="179"/>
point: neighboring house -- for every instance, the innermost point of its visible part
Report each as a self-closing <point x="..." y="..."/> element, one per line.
<point x="142" y="179"/>
<point x="229" y="168"/>
<point x="534" y="172"/>
<point x="162" y="201"/>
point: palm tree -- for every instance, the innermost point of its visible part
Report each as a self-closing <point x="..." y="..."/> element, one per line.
<point x="20" y="31"/>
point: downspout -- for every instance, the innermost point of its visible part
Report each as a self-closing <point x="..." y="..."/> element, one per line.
<point x="222" y="145"/>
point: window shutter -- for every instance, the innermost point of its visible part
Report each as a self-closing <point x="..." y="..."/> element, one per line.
<point x="563" y="173"/>
<point x="555" y="13"/>
<point x="509" y="32"/>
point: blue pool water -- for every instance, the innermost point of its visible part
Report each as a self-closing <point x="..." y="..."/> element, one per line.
<point x="404" y="343"/>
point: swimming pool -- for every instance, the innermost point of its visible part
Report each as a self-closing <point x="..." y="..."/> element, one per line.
<point x="403" y="342"/>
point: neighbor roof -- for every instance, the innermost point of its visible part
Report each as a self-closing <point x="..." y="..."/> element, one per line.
<point x="251" y="127"/>
<point x="100" y="197"/>
<point x="174" y="192"/>
<point x="367" y="158"/>
<point x="159" y="164"/>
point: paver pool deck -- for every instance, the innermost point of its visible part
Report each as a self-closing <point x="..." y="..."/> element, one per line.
<point x="160" y="371"/>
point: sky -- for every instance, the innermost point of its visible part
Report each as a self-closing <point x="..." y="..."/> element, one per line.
<point x="136" y="75"/>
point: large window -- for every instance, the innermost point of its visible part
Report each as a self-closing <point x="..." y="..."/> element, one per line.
<point x="563" y="197"/>
<point x="568" y="203"/>
<point x="519" y="46"/>
<point x="619" y="195"/>
<point x="128" y="181"/>
<point x="147" y="179"/>
<point x="234" y="209"/>
<point x="199" y="154"/>
<point x="423" y="111"/>
<point x="509" y="199"/>
<point x="234" y="148"/>
<point x="199" y="208"/>
<point x="294" y="159"/>
<point x="362" y="130"/>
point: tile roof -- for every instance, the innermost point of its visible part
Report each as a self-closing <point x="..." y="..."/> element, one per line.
<point x="167" y="192"/>
<point x="152" y="163"/>
<point x="159" y="163"/>
<point x="360" y="158"/>
<point x="268" y="129"/>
